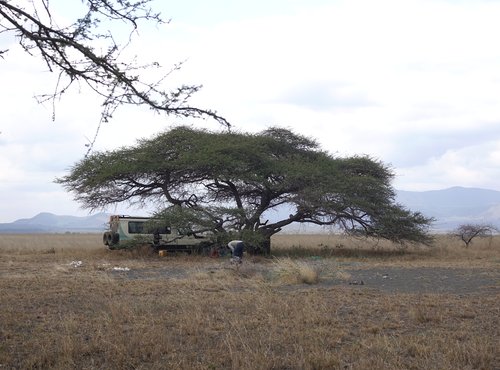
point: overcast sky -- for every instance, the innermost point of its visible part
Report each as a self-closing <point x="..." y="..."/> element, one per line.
<point x="415" y="84"/>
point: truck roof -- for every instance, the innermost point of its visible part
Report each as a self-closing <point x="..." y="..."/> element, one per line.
<point x="130" y="217"/>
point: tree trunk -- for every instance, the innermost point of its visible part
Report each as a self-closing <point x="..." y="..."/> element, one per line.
<point x="266" y="245"/>
<point x="260" y="244"/>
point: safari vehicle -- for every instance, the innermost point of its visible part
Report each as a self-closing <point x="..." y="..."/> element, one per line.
<point x="128" y="228"/>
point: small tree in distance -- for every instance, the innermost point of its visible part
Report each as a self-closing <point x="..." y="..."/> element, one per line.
<point x="468" y="232"/>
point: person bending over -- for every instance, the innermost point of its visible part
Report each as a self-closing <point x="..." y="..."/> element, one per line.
<point x="237" y="247"/>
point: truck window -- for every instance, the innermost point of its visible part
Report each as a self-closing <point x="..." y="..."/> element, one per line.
<point x="136" y="227"/>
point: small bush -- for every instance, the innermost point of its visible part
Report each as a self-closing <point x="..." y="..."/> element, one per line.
<point x="134" y="243"/>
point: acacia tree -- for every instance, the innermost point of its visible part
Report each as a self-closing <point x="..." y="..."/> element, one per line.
<point x="469" y="232"/>
<point x="223" y="181"/>
<point x="86" y="52"/>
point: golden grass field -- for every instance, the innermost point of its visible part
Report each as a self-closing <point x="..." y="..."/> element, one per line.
<point x="67" y="302"/>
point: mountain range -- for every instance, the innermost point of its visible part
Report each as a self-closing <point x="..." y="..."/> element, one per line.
<point x="454" y="206"/>
<point x="50" y="223"/>
<point x="450" y="207"/>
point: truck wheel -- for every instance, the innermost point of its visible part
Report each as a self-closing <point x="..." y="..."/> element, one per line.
<point x="115" y="238"/>
<point x="105" y="238"/>
<point x="110" y="239"/>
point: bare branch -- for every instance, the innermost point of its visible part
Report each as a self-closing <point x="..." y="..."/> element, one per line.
<point x="71" y="52"/>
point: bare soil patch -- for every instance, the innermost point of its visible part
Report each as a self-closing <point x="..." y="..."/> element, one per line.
<point x="434" y="280"/>
<point x="388" y="279"/>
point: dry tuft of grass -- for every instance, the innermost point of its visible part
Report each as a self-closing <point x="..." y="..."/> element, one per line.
<point x="425" y="313"/>
<point x="295" y="272"/>
<point x="342" y="275"/>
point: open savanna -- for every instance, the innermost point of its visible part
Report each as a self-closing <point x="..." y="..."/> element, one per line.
<point x="67" y="302"/>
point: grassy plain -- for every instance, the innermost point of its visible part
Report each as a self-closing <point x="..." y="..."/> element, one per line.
<point x="66" y="302"/>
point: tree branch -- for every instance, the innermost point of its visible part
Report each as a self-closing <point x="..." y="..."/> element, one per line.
<point x="70" y="51"/>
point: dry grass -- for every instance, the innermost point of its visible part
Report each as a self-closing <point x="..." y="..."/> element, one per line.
<point x="49" y="243"/>
<point x="295" y="272"/>
<point x="446" y="251"/>
<point x="205" y="314"/>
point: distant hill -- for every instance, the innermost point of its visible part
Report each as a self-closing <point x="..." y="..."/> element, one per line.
<point x="454" y="206"/>
<point x="50" y="223"/>
<point x="450" y="207"/>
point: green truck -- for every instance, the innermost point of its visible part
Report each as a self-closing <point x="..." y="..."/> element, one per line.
<point x="128" y="228"/>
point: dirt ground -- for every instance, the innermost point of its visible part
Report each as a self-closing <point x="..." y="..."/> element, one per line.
<point x="429" y="280"/>
<point x="432" y="280"/>
<point x="65" y="307"/>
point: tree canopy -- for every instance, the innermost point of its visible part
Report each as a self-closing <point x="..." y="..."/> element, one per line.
<point x="228" y="181"/>
<point x="86" y="52"/>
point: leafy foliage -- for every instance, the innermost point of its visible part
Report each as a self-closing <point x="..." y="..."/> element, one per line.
<point x="85" y="51"/>
<point x="230" y="181"/>
<point x="136" y="242"/>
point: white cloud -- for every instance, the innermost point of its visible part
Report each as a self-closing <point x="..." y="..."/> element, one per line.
<point x="413" y="83"/>
<point x="473" y="166"/>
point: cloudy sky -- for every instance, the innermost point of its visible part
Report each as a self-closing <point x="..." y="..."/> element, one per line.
<point x="413" y="83"/>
